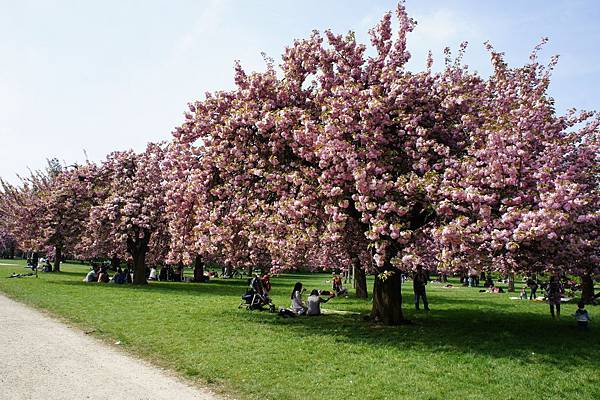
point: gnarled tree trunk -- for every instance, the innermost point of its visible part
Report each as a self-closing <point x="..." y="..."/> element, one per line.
<point x="57" y="258"/>
<point x="138" y="249"/>
<point x="387" y="298"/>
<point x="587" y="289"/>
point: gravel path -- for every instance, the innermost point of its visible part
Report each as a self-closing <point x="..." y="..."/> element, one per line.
<point x="41" y="358"/>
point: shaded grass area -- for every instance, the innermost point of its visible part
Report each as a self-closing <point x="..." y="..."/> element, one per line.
<point x="472" y="345"/>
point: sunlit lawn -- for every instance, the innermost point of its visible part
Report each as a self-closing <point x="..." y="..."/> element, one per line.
<point x="472" y="345"/>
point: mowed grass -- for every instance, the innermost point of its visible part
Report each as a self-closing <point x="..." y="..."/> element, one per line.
<point x="471" y="346"/>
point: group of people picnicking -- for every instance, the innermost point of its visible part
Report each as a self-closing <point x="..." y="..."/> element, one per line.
<point x="312" y="305"/>
<point x="261" y="286"/>
<point x="100" y="273"/>
<point x="34" y="261"/>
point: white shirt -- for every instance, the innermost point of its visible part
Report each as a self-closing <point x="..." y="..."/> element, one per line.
<point x="297" y="303"/>
<point x="91" y="276"/>
<point x="314" y="305"/>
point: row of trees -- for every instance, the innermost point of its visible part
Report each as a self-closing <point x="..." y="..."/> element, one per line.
<point x="340" y="159"/>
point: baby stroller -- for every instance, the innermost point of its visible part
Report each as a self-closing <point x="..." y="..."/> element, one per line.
<point x="256" y="298"/>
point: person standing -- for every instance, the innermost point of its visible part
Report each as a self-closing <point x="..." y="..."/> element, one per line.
<point x="533" y="287"/>
<point x="553" y="295"/>
<point x="419" y="281"/>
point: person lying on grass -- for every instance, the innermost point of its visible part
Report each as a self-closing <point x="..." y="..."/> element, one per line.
<point x="314" y="302"/>
<point x="492" y="289"/>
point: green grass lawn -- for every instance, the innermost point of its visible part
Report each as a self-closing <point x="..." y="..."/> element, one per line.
<point x="471" y="346"/>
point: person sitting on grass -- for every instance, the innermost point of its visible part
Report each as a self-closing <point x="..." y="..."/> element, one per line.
<point x="298" y="306"/>
<point x="47" y="266"/>
<point x="119" y="277"/>
<point x="103" y="276"/>
<point x="314" y="303"/>
<point x="336" y="285"/>
<point x="582" y="316"/>
<point x="91" y="276"/>
<point x="128" y="277"/>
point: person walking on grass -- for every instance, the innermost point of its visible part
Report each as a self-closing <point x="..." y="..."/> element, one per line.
<point x="553" y="295"/>
<point x="420" y="279"/>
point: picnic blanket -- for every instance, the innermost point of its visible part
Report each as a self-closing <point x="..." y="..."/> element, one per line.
<point x="541" y="299"/>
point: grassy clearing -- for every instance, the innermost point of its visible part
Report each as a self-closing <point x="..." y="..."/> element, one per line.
<point x="471" y="346"/>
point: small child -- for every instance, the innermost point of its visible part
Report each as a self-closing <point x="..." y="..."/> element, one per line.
<point x="582" y="316"/>
<point x="523" y="294"/>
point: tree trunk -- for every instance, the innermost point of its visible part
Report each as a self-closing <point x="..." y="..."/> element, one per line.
<point x="57" y="258"/>
<point x="139" y="267"/>
<point x="138" y="248"/>
<point x="387" y="299"/>
<point x="198" y="269"/>
<point x="250" y="271"/>
<point x="360" y="282"/>
<point x="587" y="289"/>
<point x="511" y="282"/>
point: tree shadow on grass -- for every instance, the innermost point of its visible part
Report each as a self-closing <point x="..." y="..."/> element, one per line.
<point x="521" y="336"/>
<point x="525" y="337"/>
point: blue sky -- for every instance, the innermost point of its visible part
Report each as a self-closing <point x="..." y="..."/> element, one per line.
<point x="113" y="75"/>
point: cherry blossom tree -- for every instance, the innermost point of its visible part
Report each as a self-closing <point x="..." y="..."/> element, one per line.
<point x="130" y="209"/>
<point x="524" y="196"/>
<point x="19" y="211"/>
<point x="353" y="159"/>
<point x="8" y="244"/>
<point x="49" y="210"/>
